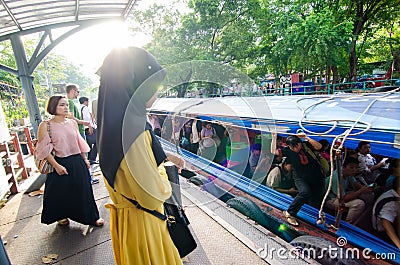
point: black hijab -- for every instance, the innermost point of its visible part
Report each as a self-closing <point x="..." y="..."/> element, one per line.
<point x="129" y="78"/>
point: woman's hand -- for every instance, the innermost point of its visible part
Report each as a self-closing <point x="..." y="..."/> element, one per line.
<point x="87" y="163"/>
<point x="302" y="135"/>
<point x="61" y="170"/>
<point x="84" y="157"/>
<point x="176" y="159"/>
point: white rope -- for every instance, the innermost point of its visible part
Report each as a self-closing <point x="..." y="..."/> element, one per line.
<point x="342" y="136"/>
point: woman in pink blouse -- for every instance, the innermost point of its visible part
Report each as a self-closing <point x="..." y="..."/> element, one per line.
<point x="68" y="192"/>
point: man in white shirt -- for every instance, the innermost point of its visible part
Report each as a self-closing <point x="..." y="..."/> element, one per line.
<point x="386" y="208"/>
<point x="90" y="131"/>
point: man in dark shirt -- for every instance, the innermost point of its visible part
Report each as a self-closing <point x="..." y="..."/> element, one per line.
<point x="309" y="179"/>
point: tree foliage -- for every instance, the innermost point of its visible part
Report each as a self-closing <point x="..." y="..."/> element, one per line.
<point x="58" y="69"/>
<point x="325" y="38"/>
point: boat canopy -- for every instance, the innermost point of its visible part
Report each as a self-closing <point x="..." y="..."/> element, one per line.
<point x="373" y="117"/>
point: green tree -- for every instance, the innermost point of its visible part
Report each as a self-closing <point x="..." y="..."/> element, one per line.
<point x="364" y="14"/>
<point x="259" y="36"/>
<point x="383" y="45"/>
<point x="60" y="70"/>
<point x="222" y="31"/>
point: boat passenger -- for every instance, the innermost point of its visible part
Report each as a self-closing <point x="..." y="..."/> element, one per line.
<point x="383" y="218"/>
<point x="185" y="135"/>
<point x="195" y="135"/>
<point x="209" y="141"/>
<point x="369" y="168"/>
<point x="254" y="158"/>
<point x="280" y="178"/>
<point x="309" y="178"/>
<point x="325" y="150"/>
<point x="259" y="163"/>
<point x="350" y="199"/>
<point x="155" y="124"/>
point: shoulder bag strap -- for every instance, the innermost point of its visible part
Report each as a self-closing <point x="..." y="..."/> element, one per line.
<point x="310" y="152"/>
<point x="82" y="111"/>
<point x="48" y="129"/>
<point x="51" y="140"/>
<point x="382" y="203"/>
<point x="140" y="207"/>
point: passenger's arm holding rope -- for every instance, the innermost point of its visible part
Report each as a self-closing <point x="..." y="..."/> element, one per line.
<point x="274" y="150"/>
<point x="315" y="144"/>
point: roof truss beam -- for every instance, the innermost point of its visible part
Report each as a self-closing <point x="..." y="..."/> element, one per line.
<point x="10" y="14"/>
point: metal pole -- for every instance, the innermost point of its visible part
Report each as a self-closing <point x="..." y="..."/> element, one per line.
<point x="26" y="80"/>
<point x="48" y="80"/>
<point x="338" y="164"/>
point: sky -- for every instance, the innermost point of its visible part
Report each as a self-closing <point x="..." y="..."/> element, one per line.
<point x="89" y="47"/>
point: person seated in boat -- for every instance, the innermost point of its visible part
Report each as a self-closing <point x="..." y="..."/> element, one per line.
<point x="279" y="144"/>
<point x="208" y="132"/>
<point x="392" y="174"/>
<point x="351" y="153"/>
<point x="351" y="191"/>
<point x="220" y="156"/>
<point x="280" y="178"/>
<point x="155" y="124"/>
<point x="386" y="208"/>
<point x="195" y="135"/>
<point x="368" y="167"/>
<point x="259" y="163"/>
<point x="325" y="150"/>
<point x="309" y="177"/>
<point x="185" y="135"/>
<point x="209" y="142"/>
<point x="255" y="152"/>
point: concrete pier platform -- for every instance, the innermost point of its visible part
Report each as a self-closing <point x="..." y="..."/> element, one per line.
<point x="224" y="236"/>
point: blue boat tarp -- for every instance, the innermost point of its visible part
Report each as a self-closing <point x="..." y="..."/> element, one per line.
<point x="373" y="117"/>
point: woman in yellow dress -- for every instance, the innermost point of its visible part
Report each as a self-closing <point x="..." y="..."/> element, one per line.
<point x="131" y="158"/>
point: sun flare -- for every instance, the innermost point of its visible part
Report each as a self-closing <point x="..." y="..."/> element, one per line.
<point x="89" y="47"/>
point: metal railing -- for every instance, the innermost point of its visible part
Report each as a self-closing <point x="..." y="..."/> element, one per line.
<point x="348" y="87"/>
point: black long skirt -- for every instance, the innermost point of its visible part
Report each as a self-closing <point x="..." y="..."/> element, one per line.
<point x="70" y="196"/>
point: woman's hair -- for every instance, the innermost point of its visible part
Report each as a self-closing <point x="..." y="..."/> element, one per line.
<point x="350" y="160"/>
<point x="361" y="144"/>
<point x="52" y="104"/>
<point x="351" y="153"/>
<point x="293" y="140"/>
<point x="325" y="143"/>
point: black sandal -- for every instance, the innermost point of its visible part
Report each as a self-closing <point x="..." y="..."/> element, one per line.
<point x="63" y="222"/>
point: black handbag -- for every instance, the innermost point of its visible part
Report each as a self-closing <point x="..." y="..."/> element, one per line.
<point x="177" y="221"/>
<point x="179" y="227"/>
